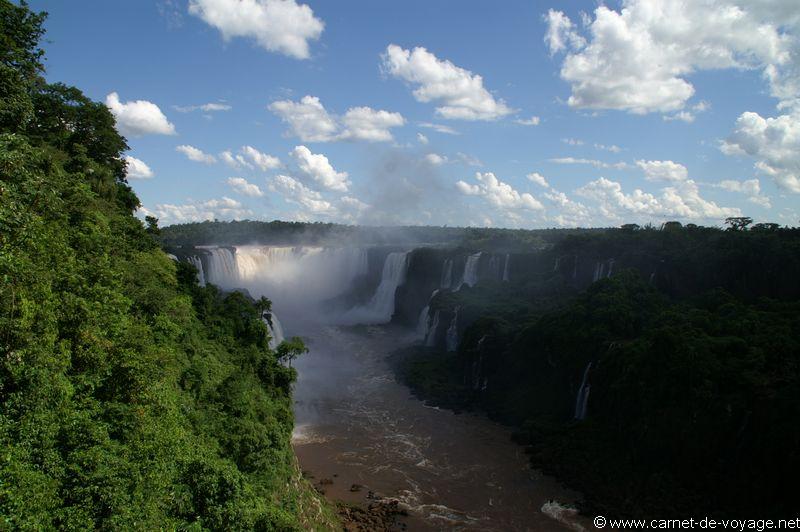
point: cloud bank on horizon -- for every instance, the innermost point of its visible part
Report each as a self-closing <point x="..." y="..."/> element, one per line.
<point x="578" y="115"/>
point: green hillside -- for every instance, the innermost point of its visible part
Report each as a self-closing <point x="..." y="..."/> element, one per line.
<point x="130" y="397"/>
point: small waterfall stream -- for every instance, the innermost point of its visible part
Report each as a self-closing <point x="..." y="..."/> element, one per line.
<point x="447" y="274"/>
<point x="276" y="335"/>
<point x="583" y="394"/>
<point x="197" y="263"/>
<point x="425" y="317"/>
<point x="430" y="337"/>
<point x="470" y="277"/>
<point x="451" y="339"/>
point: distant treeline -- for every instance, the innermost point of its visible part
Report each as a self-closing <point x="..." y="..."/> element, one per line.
<point x="243" y="232"/>
<point x="317" y="233"/>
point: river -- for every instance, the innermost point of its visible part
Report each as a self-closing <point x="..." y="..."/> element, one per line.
<point x="356" y="425"/>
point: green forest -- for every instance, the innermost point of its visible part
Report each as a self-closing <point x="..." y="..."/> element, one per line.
<point x="690" y="374"/>
<point x="130" y="397"/>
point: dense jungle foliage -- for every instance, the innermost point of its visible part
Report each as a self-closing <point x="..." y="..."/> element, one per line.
<point x="295" y="233"/>
<point x="130" y="397"/>
<point x="691" y="377"/>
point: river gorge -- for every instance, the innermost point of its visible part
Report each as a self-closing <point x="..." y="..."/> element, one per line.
<point x="359" y="433"/>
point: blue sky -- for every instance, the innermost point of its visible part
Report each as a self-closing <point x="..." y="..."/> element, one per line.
<point x="421" y="112"/>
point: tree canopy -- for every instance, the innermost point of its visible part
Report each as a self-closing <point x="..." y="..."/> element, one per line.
<point x="130" y="397"/>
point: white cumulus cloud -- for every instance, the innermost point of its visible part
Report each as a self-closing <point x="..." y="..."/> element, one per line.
<point x="138" y="117"/>
<point x="224" y="208"/>
<point x="773" y="142"/>
<point x="195" y="154"/>
<point x="307" y="119"/>
<point x="639" y="58"/>
<point x="459" y="93"/>
<point x="561" y="32"/>
<point x="244" y="187"/>
<point x="750" y="188"/>
<point x="317" y="167"/>
<point x="682" y="201"/>
<point x="439" y="128"/>
<point x="296" y="192"/>
<point x="137" y="168"/>
<point x="663" y="170"/>
<point x="434" y="159"/>
<point x="234" y="161"/>
<point x="499" y="194"/>
<point x="365" y="123"/>
<point x="538" y="179"/>
<point x="310" y="121"/>
<point x="261" y="160"/>
<point x="532" y="121"/>
<point x="282" y="26"/>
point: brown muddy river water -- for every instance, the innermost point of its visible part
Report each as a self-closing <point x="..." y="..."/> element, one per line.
<point x="355" y="424"/>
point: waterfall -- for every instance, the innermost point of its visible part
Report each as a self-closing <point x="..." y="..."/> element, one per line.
<point x="505" y="267"/>
<point x="222" y="268"/>
<point x="598" y="271"/>
<point x="380" y="308"/>
<point x="470" y="277"/>
<point x="610" y="267"/>
<point x="197" y="263"/>
<point x="424" y="317"/>
<point x="652" y="277"/>
<point x="422" y="322"/>
<point x="451" y="340"/>
<point x="430" y="338"/>
<point x="173" y="257"/>
<point x="447" y="274"/>
<point x="275" y="331"/>
<point x="557" y="264"/>
<point x="295" y="278"/>
<point x="583" y="394"/>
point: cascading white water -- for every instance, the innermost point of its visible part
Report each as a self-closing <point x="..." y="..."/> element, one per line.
<point x="173" y="257"/>
<point x="505" y="267"/>
<point x="470" y="277"/>
<point x="603" y="269"/>
<point x="598" y="271"/>
<point x="557" y="264"/>
<point x="422" y="322"/>
<point x="275" y="331"/>
<point x="430" y="337"/>
<point x="447" y="274"/>
<point x="197" y="263"/>
<point x="294" y="278"/>
<point x="583" y="394"/>
<point x="380" y="308"/>
<point x="222" y="267"/>
<point x="451" y="339"/>
<point x="424" y="317"/>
